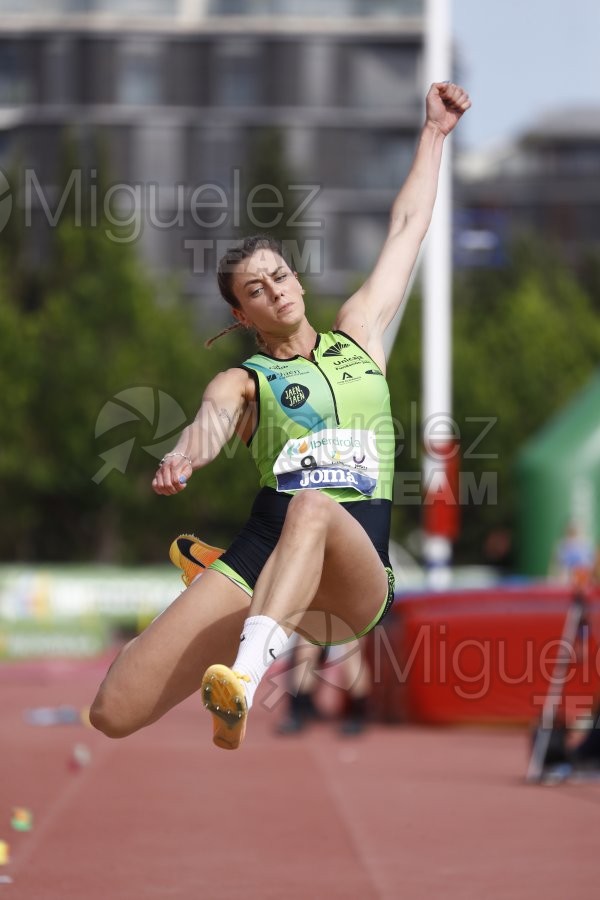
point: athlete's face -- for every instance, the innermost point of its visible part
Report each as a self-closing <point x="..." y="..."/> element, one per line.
<point x="269" y="293"/>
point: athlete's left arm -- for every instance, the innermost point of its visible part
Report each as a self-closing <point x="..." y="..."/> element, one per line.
<point x="366" y="314"/>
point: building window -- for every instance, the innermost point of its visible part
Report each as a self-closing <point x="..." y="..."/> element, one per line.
<point x="317" y="8"/>
<point x="579" y="159"/>
<point x="387" y="159"/>
<point x="118" y="7"/>
<point x="363" y="158"/>
<point x="58" y="79"/>
<point x="381" y="76"/>
<point x="139" y="81"/>
<point x="365" y="238"/>
<point x="223" y="150"/>
<point x="5" y="147"/>
<point x="130" y="7"/>
<point x="14" y="86"/>
<point x="237" y="74"/>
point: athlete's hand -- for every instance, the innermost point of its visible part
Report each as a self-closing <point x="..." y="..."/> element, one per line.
<point x="172" y="476"/>
<point x="445" y="104"/>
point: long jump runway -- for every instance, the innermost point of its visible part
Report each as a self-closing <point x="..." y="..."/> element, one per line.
<point x="398" y="812"/>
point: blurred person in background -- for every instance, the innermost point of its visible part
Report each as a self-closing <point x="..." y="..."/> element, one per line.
<point x="576" y="564"/>
<point x="306" y="673"/>
<point x="313" y="557"/>
<point x="575" y="558"/>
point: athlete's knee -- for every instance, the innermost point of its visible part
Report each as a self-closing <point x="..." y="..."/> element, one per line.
<point x="109" y="714"/>
<point x="311" y="506"/>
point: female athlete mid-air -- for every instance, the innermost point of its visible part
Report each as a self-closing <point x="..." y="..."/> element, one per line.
<point x="314" y="411"/>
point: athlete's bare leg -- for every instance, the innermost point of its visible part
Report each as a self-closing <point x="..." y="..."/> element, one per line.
<point x="303" y="676"/>
<point x="165" y="663"/>
<point x="324" y="577"/>
<point x="354" y="670"/>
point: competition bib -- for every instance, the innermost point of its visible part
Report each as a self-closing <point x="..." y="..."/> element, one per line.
<point x="331" y="458"/>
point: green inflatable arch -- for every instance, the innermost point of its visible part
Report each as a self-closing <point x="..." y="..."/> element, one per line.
<point x="558" y="480"/>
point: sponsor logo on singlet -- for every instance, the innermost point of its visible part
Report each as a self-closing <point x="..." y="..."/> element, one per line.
<point x="346" y="377"/>
<point x="295" y="396"/>
<point x="336" y="349"/>
<point x="287" y="372"/>
<point x="332" y="458"/>
<point x="348" y="361"/>
<point x="329" y="477"/>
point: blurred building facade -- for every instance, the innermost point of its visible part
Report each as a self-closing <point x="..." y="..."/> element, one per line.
<point x="164" y="103"/>
<point x="546" y="184"/>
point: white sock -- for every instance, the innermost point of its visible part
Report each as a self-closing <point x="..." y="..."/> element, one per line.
<point x="262" y="641"/>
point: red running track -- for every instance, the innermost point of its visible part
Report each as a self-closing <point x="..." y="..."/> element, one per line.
<point x="398" y="812"/>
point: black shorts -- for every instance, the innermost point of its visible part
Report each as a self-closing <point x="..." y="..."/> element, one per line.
<point x="251" y="548"/>
<point x="253" y="545"/>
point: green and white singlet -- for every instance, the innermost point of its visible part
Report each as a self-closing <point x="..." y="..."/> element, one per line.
<point x="324" y="423"/>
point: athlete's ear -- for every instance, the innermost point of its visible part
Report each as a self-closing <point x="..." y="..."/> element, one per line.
<point x="241" y="317"/>
<point x="297" y="277"/>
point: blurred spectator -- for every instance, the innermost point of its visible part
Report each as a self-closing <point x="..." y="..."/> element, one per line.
<point x="575" y="558"/>
<point x="596" y="571"/>
<point x="498" y="549"/>
<point x="304" y="675"/>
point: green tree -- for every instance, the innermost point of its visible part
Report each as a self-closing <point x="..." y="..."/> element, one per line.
<point x="17" y="442"/>
<point x="520" y="354"/>
<point x="525" y="339"/>
<point x="100" y="367"/>
<point x="266" y="180"/>
<point x="98" y="330"/>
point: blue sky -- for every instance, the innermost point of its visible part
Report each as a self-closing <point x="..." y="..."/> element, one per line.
<point x="522" y="58"/>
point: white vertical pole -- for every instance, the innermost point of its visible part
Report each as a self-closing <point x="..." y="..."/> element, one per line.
<point x="437" y="291"/>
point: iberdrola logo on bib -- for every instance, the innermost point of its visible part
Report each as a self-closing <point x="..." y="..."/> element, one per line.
<point x="331" y="458"/>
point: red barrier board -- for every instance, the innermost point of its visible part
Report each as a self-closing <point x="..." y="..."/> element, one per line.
<point x="487" y="656"/>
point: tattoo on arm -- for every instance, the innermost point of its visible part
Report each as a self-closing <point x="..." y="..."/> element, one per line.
<point x="228" y="417"/>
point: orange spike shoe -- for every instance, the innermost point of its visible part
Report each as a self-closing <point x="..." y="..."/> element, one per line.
<point x="192" y="556"/>
<point x="224" y="697"/>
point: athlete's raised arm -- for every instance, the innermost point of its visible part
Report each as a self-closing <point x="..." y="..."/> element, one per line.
<point x="366" y="314"/>
<point x="220" y="414"/>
